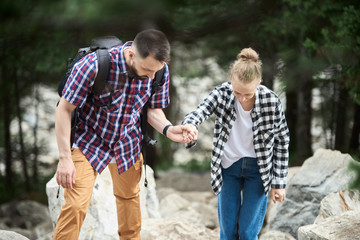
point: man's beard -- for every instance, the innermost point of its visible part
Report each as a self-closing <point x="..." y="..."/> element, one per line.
<point x="134" y="74"/>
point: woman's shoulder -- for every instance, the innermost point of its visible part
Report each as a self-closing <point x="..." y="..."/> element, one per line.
<point x="266" y="92"/>
<point x="224" y="87"/>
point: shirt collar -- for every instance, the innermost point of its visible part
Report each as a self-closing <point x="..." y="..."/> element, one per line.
<point x="122" y="61"/>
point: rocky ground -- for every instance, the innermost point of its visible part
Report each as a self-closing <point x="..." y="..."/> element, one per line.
<point x="180" y="205"/>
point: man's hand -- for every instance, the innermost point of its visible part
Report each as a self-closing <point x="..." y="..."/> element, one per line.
<point x="65" y="173"/>
<point x="182" y="133"/>
<point x="278" y="195"/>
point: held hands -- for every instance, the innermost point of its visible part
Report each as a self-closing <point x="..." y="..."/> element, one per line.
<point x="182" y="133"/>
<point x="278" y="195"/>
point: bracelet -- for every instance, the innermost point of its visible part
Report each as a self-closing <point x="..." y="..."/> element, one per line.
<point x="166" y="128"/>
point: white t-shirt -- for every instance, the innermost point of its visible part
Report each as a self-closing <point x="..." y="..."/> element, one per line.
<point x="240" y="143"/>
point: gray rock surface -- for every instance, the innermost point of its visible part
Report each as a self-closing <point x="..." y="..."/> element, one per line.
<point x="323" y="173"/>
<point x="28" y="218"/>
<point x="338" y="203"/>
<point x="345" y="226"/>
<point x="276" y="235"/>
<point x="10" y="235"/>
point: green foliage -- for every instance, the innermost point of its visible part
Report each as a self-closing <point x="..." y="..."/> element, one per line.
<point x="195" y="166"/>
<point x="355" y="167"/>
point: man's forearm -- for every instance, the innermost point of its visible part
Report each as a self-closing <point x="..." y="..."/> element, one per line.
<point x="63" y="129"/>
<point x="157" y="119"/>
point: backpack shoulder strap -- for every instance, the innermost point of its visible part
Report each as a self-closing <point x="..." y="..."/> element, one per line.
<point x="157" y="83"/>
<point x="103" y="70"/>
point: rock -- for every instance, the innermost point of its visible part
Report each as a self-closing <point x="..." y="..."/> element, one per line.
<point x="184" y="181"/>
<point x="197" y="196"/>
<point x="9" y="235"/>
<point x="175" y="229"/>
<point x="343" y="226"/>
<point x="101" y="220"/>
<point x="320" y="175"/>
<point x="271" y="206"/>
<point x="173" y="203"/>
<point x="337" y="203"/>
<point x="195" y="207"/>
<point x="29" y="218"/>
<point x="276" y="235"/>
<point x="163" y="192"/>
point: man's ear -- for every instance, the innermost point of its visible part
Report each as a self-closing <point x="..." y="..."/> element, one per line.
<point x="131" y="53"/>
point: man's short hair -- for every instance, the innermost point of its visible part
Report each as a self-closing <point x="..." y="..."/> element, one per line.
<point x="154" y="43"/>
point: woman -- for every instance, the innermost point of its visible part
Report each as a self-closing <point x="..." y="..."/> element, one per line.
<point x="250" y="147"/>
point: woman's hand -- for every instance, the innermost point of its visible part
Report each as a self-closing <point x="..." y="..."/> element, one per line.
<point x="278" y="195"/>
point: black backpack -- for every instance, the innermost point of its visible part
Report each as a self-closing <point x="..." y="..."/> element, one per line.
<point x="100" y="46"/>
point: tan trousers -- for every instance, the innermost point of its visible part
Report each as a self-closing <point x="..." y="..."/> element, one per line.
<point x="126" y="191"/>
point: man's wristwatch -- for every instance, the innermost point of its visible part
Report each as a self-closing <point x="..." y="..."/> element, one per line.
<point x="166" y="128"/>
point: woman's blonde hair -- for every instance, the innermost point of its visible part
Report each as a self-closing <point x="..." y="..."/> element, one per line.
<point x="247" y="67"/>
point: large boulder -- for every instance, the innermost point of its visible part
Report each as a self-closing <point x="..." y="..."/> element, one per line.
<point x="338" y="203"/>
<point x="324" y="173"/>
<point x="343" y="226"/>
<point x="28" y="218"/>
<point x="338" y="218"/>
<point x="101" y="220"/>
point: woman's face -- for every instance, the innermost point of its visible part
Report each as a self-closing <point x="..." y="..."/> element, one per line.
<point x="244" y="92"/>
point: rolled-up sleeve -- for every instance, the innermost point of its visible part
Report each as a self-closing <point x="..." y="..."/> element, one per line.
<point x="81" y="80"/>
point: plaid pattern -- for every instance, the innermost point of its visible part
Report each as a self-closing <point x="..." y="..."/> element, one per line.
<point x="111" y="131"/>
<point x="270" y="133"/>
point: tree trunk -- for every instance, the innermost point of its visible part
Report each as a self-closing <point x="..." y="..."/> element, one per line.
<point x="341" y="119"/>
<point x="21" y="139"/>
<point x="6" y="101"/>
<point x="291" y="118"/>
<point x="303" y="126"/>
<point x="355" y="135"/>
<point x="36" y="148"/>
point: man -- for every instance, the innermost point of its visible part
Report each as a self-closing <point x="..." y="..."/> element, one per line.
<point x="111" y="135"/>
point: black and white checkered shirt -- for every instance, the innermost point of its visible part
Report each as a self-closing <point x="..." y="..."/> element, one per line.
<point x="270" y="133"/>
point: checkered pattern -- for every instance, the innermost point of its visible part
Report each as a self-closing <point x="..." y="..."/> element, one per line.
<point x="111" y="131"/>
<point x="270" y="133"/>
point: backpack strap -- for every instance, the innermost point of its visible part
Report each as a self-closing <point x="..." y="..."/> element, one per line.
<point x="155" y="86"/>
<point x="103" y="70"/>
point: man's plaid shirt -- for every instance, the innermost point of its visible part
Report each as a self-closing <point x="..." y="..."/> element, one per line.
<point x="270" y="133"/>
<point x="107" y="132"/>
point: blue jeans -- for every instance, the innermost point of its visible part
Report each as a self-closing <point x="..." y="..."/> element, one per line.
<point x="241" y="216"/>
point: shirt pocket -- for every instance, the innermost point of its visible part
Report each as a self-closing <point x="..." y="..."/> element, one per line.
<point x="139" y="100"/>
<point x="110" y="102"/>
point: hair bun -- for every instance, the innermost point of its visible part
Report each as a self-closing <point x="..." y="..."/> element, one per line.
<point x="248" y="54"/>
